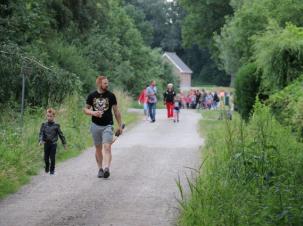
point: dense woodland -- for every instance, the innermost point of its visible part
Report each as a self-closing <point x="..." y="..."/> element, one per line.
<point x="79" y="39"/>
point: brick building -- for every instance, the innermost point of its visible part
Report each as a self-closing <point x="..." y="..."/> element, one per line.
<point x="180" y="69"/>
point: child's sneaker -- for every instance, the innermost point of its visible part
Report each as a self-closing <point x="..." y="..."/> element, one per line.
<point x="106" y="172"/>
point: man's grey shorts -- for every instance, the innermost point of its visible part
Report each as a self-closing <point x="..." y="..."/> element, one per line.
<point x="102" y="134"/>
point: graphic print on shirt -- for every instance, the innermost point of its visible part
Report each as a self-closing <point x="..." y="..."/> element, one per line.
<point x="101" y="104"/>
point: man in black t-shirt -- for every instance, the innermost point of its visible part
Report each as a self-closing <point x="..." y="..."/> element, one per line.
<point x="99" y="105"/>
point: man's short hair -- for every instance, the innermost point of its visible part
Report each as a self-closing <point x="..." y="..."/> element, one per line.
<point x="99" y="79"/>
<point x="51" y="111"/>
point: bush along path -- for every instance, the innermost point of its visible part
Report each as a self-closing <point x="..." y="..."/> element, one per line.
<point x="147" y="161"/>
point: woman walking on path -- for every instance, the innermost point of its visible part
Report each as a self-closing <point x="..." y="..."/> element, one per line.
<point x="168" y="98"/>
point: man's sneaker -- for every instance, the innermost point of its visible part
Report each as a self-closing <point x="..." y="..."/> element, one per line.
<point x="52" y="172"/>
<point x="46" y="170"/>
<point x="106" y="172"/>
<point x="101" y="173"/>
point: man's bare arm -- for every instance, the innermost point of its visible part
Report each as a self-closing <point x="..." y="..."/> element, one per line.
<point x="117" y="116"/>
<point x="88" y="111"/>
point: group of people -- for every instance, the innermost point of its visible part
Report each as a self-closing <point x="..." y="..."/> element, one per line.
<point x="172" y="101"/>
<point x="196" y="99"/>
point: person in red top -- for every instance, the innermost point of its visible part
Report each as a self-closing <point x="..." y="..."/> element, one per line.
<point x="142" y="99"/>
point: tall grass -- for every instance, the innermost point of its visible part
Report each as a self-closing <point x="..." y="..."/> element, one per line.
<point x="21" y="156"/>
<point x="252" y="175"/>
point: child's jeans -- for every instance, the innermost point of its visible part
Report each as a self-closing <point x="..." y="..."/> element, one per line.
<point x="50" y="154"/>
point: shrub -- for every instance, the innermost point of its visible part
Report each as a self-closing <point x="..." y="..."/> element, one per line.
<point x="286" y="105"/>
<point x="247" y="87"/>
<point x="279" y="53"/>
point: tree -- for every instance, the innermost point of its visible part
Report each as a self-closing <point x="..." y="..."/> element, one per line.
<point x="203" y="19"/>
<point x="234" y="43"/>
<point x="278" y="53"/>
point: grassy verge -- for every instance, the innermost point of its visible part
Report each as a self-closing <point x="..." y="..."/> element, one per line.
<point x="21" y="156"/>
<point x="251" y="174"/>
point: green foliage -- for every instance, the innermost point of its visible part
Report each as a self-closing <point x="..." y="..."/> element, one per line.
<point x="251" y="175"/>
<point x="24" y="21"/>
<point x="234" y="45"/>
<point x="42" y="85"/>
<point x="247" y="87"/>
<point x="286" y="105"/>
<point x="279" y="54"/>
<point x="77" y="40"/>
<point x="69" y="58"/>
<point x="139" y="19"/>
<point x="203" y="19"/>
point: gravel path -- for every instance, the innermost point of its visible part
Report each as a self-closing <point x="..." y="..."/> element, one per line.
<point x="147" y="159"/>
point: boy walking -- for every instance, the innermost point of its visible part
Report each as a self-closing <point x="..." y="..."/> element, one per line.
<point x="48" y="136"/>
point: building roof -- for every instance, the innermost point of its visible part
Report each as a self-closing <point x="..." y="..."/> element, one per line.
<point x="177" y="62"/>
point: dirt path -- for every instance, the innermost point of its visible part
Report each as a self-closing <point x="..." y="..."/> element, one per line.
<point x="140" y="192"/>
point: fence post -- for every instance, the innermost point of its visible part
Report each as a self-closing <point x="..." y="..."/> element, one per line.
<point x="25" y="70"/>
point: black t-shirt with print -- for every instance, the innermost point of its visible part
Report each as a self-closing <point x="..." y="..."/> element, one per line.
<point x="102" y="102"/>
<point x="169" y="96"/>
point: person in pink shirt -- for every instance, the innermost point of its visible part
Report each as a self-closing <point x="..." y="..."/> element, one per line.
<point x="142" y="99"/>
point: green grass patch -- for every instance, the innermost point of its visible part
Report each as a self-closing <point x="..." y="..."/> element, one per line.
<point x="136" y="105"/>
<point x="251" y="174"/>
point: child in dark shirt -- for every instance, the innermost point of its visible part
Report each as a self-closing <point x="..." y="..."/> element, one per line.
<point x="48" y="136"/>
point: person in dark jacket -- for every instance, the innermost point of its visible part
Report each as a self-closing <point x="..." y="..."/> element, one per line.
<point x="168" y="98"/>
<point x="49" y="133"/>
